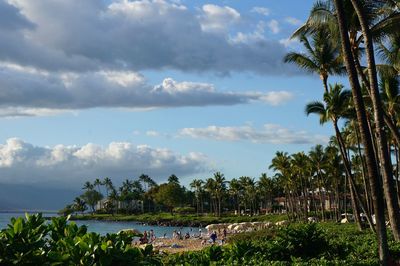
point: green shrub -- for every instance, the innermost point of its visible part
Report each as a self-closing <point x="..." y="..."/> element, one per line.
<point x="32" y="241"/>
<point x="184" y="210"/>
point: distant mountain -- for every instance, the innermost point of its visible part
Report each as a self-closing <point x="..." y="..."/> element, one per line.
<point x="34" y="197"/>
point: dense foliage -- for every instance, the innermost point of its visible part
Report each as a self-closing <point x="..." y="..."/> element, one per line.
<point x="33" y="241"/>
<point x="298" y="244"/>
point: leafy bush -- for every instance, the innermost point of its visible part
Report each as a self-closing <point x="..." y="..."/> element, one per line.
<point x="34" y="242"/>
<point x="299" y="241"/>
<point x="184" y="210"/>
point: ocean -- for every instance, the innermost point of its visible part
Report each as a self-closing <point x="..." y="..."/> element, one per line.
<point x="104" y="227"/>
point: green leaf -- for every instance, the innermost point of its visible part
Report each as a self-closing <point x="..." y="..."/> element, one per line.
<point x="18" y="225"/>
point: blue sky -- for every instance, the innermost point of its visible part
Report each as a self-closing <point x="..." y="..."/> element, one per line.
<point x="118" y="88"/>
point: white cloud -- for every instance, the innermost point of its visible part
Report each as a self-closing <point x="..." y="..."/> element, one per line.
<point x="217" y="18"/>
<point x="261" y="10"/>
<point x="152" y="133"/>
<point x="76" y="36"/>
<point x="256" y="36"/>
<point x="270" y="133"/>
<point x="273" y="25"/>
<point x="25" y="163"/>
<point x="293" y="21"/>
<point x="26" y="93"/>
<point x="276" y="98"/>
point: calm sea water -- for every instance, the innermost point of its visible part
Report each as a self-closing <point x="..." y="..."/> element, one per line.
<point x="104" y="227"/>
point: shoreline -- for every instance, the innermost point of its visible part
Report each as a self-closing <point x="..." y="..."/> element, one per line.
<point x="178" y="220"/>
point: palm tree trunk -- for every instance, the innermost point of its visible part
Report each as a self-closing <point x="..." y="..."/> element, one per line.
<point x="321" y="198"/>
<point x="383" y="153"/>
<point x="355" y="198"/>
<point x="363" y="170"/>
<point x="392" y="127"/>
<point x="373" y="172"/>
<point x="396" y="152"/>
<point x="325" y="82"/>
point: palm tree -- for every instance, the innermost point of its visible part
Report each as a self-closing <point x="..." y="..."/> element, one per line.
<point x="322" y="56"/>
<point x="108" y="184"/>
<point x="210" y="188"/>
<point x="390" y="53"/>
<point x="250" y="194"/>
<point x="235" y="190"/>
<point x="197" y="185"/>
<point x="219" y="189"/>
<point x="318" y="159"/>
<point x="383" y="152"/>
<point x="266" y="187"/>
<point x="79" y="205"/>
<point x="88" y="186"/>
<point x="281" y="164"/>
<point x="335" y="106"/>
<point x="97" y="182"/>
<point x="373" y="171"/>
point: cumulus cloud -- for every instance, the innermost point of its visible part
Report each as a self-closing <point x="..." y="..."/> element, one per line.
<point x="91" y="35"/>
<point x="28" y="92"/>
<point x="25" y="163"/>
<point x="269" y="133"/>
<point x="217" y="18"/>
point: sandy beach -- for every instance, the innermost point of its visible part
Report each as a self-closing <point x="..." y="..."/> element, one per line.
<point x="170" y="245"/>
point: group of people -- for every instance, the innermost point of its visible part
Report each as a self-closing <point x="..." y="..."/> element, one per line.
<point x="214" y="237"/>
<point x="149" y="237"/>
<point x="178" y="235"/>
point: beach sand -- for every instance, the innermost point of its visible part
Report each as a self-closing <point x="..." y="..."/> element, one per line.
<point x="170" y="245"/>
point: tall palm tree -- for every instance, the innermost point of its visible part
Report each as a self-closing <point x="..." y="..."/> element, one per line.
<point x="335" y="106"/>
<point x="197" y="185"/>
<point x="373" y="172"/>
<point x="235" y="190"/>
<point x="97" y="182"/>
<point x="108" y="184"/>
<point x="266" y="187"/>
<point x="250" y="194"/>
<point x="382" y="147"/>
<point x="300" y="167"/>
<point x="281" y="164"/>
<point x="322" y="56"/>
<point x="220" y="188"/>
<point x="318" y="159"/>
<point x="88" y="186"/>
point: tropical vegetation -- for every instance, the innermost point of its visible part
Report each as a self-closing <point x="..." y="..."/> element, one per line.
<point x="356" y="172"/>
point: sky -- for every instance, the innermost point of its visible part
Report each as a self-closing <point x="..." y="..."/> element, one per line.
<point x="93" y="89"/>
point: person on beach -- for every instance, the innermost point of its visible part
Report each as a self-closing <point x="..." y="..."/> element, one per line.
<point x="144" y="239"/>
<point x="200" y="233"/>
<point x="213" y="237"/>
<point x="152" y="236"/>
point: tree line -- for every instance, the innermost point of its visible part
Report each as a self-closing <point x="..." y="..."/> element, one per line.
<point x="303" y="185"/>
<point x="346" y="37"/>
